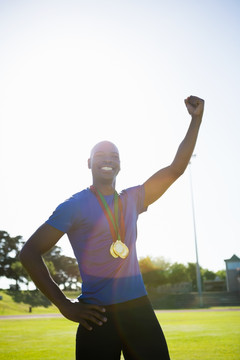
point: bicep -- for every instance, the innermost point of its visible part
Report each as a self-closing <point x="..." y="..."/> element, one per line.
<point x="157" y="184"/>
<point x="44" y="238"/>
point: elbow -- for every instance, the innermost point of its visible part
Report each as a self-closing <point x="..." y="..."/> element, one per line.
<point x="177" y="173"/>
<point x="180" y="173"/>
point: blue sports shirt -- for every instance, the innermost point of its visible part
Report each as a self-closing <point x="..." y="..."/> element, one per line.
<point x="106" y="280"/>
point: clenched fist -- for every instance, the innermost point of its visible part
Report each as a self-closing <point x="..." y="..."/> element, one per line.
<point x="195" y="106"/>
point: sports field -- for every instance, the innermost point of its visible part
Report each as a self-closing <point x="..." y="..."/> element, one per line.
<point x="191" y="335"/>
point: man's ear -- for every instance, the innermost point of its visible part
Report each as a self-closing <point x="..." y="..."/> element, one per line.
<point x="89" y="163"/>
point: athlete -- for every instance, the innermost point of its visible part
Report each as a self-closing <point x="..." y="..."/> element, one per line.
<point x="113" y="311"/>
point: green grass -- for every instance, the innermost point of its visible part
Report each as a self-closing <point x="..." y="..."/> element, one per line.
<point x="9" y="307"/>
<point x="33" y="339"/>
<point x="190" y="336"/>
<point x="202" y="335"/>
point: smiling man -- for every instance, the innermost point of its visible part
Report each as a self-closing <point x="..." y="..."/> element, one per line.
<point x="113" y="311"/>
<point x="105" y="165"/>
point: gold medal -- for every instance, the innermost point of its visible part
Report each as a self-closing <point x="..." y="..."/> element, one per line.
<point x="120" y="249"/>
<point x="112" y="252"/>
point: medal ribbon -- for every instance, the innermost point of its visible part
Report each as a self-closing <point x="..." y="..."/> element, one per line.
<point x="113" y="219"/>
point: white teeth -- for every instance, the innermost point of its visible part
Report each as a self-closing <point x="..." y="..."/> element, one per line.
<point x="106" y="168"/>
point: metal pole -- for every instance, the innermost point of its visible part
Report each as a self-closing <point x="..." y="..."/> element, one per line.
<point x="198" y="274"/>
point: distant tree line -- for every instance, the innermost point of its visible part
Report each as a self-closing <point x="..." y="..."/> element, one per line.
<point x="64" y="269"/>
<point x="158" y="271"/>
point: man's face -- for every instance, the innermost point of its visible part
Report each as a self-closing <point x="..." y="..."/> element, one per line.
<point x="104" y="161"/>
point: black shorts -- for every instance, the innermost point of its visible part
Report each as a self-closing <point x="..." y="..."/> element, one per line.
<point x="132" y="327"/>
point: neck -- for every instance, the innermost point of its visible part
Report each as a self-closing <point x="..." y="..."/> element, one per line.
<point x="105" y="189"/>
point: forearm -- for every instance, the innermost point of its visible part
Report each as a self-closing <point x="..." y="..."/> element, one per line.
<point x="40" y="275"/>
<point x="187" y="146"/>
<point x="157" y="184"/>
<point x="86" y="314"/>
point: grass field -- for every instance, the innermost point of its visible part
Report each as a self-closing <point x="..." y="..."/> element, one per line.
<point x="190" y="336"/>
<point x="202" y="335"/>
<point x="205" y="335"/>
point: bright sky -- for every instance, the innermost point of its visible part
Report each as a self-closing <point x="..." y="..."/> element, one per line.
<point x="77" y="72"/>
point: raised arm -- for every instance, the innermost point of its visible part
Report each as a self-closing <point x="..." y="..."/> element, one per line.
<point x="157" y="184"/>
<point x="31" y="257"/>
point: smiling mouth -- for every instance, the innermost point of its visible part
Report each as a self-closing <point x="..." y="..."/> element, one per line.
<point x="106" y="168"/>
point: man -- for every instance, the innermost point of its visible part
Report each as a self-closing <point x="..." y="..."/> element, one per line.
<point x="113" y="312"/>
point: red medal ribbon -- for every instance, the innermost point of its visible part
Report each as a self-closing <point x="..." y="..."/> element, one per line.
<point x="118" y="232"/>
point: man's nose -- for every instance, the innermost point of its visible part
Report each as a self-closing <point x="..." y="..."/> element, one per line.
<point x="107" y="159"/>
<point x="107" y="162"/>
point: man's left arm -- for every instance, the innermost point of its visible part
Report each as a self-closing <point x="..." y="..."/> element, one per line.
<point x="157" y="184"/>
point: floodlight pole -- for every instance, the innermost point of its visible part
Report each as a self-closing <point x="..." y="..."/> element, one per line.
<point x="198" y="274"/>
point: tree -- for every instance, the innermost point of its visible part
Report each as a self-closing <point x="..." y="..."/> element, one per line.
<point x="153" y="275"/>
<point x="178" y="273"/>
<point x="53" y="260"/>
<point x="9" y="251"/>
<point x="208" y="275"/>
<point x="72" y="271"/>
<point x="66" y="272"/>
<point x="146" y="265"/>
<point x="161" y="263"/>
<point x="33" y="298"/>
<point x="221" y="274"/>
<point x="19" y="274"/>
<point x="192" y="273"/>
